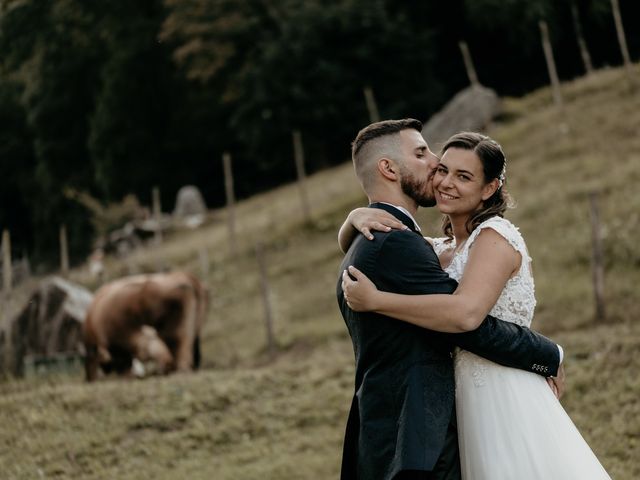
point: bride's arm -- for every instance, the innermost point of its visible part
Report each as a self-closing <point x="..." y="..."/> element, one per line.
<point x="492" y="261"/>
<point x="364" y="220"/>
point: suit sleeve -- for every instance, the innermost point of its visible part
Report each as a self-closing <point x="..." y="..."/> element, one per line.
<point x="407" y="264"/>
<point x="511" y="345"/>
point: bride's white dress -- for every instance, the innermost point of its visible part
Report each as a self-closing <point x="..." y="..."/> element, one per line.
<point x="510" y="425"/>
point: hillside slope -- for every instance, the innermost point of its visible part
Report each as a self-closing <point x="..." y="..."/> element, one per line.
<point x="248" y="416"/>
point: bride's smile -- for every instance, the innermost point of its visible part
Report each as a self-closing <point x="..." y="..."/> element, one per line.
<point x="446" y="196"/>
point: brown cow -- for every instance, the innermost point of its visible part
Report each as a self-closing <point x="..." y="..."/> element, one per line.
<point x="174" y="304"/>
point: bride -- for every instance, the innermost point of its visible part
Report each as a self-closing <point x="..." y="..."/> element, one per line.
<point x="510" y="423"/>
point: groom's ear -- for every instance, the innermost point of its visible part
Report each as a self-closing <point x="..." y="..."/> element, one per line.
<point x="388" y="169"/>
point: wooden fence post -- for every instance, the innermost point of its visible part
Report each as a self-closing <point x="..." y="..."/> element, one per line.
<point x="597" y="257"/>
<point x="617" y="18"/>
<point x="468" y="64"/>
<point x="372" y="106"/>
<point x="5" y="301"/>
<point x="204" y="263"/>
<point x="582" y="44"/>
<point x="6" y="262"/>
<point x="551" y="65"/>
<point x="231" y="201"/>
<point x="64" y="251"/>
<point x="266" y="298"/>
<point x="157" y="214"/>
<point x="298" y="151"/>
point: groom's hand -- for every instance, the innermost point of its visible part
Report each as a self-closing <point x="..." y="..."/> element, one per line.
<point x="557" y="383"/>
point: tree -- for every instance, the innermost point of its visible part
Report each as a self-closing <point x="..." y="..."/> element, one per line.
<point x="97" y="91"/>
<point x="111" y="98"/>
<point x="302" y="65"/>
<point x="57" y="66"/>
<point x="17" y="161"/>
<point x="134" y="102"/>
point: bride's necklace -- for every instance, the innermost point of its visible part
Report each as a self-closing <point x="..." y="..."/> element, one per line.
<point x="457" y="248"/>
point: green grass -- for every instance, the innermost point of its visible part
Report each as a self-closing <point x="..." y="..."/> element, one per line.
<point x="248" y="415"/>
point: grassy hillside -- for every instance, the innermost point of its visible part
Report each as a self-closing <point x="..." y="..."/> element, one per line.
<point x="247" y="415"/>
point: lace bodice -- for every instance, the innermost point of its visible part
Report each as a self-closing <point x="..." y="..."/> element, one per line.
<point x="517" y="301"/>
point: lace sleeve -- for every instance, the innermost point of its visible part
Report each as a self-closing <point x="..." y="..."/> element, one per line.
<point x="508" y="231"/>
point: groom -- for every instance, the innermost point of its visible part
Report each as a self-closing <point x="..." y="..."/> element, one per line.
<point x="402" y="421"/>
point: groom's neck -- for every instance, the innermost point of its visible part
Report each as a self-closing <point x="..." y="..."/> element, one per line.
<point x="397" y="200"/>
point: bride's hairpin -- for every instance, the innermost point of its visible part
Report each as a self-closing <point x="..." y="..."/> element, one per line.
<point x="503" y="175"/>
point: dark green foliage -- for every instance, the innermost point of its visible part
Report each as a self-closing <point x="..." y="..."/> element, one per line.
<point x="112" y="98"/>
<point x="17" y="161"/>
<point x="133" y="102"/>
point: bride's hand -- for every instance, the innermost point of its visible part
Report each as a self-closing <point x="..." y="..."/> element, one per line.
<point x="557" y="383"/>
<point x="360" y="293"/>
<point x="366" y="220"/>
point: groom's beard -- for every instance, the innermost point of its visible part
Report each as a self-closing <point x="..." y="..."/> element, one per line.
<point x="416" y="190"/>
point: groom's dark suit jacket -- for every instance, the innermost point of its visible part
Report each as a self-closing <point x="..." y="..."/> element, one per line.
<point x="404" y="386"/>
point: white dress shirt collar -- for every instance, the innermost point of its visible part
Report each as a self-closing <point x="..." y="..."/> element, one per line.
<point x="406" y="212"/>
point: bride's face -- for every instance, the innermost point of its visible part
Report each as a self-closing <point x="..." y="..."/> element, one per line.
<point x="459" y="183"/>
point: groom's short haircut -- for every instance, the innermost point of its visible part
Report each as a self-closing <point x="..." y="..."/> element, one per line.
<point x="376" y="141"/>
